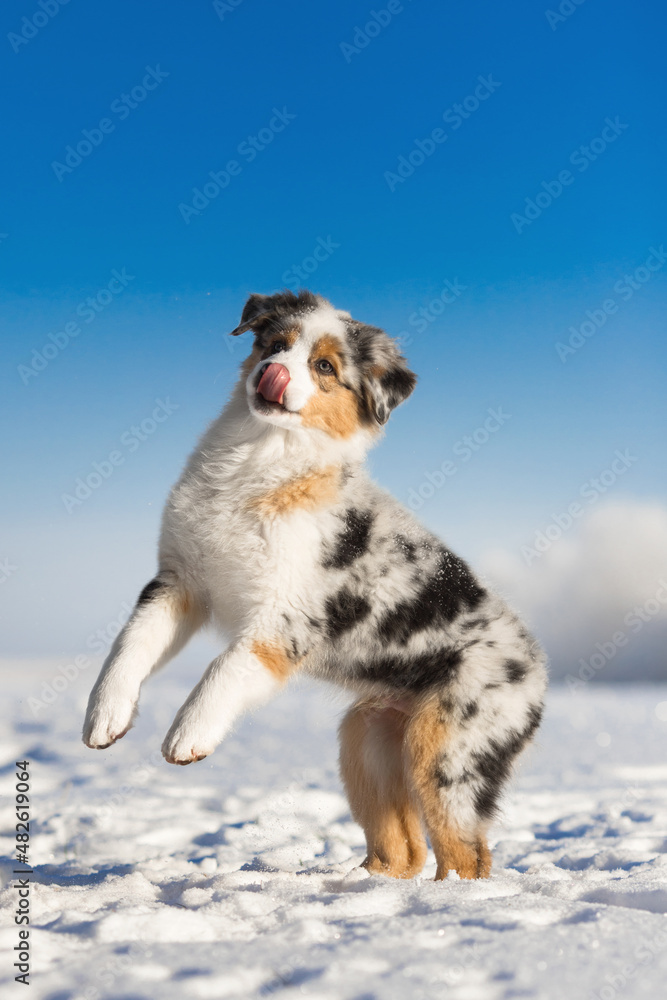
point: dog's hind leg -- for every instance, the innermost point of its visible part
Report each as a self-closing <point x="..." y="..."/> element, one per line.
<point x="437" y="763"/>
<point x="373" y="770"/>
<point x="164" y="618"/>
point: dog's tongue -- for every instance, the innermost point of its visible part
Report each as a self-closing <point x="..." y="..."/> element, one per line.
<point x="273" y="383"/>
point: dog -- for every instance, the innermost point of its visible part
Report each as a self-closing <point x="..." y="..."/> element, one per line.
<point x="275" y="534"/>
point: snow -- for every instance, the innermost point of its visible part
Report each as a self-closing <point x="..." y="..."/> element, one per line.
<point x="237" y="876"/>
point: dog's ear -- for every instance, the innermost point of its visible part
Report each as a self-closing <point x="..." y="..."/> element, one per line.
<point x="387" y="389"/>
<point x="386" y="379"/>
<point x="256" y="306"/>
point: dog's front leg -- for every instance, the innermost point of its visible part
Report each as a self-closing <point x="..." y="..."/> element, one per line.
<point x="245" y="676"/>
<point x="164" y="618"/>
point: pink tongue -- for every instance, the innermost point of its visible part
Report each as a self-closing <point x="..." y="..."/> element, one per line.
<point x="273" y="383"/>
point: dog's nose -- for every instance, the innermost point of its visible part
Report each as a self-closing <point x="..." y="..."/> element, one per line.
<point x="273" y="382"/>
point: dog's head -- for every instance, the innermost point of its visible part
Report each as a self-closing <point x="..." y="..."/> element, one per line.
<point x="313" y="366"/>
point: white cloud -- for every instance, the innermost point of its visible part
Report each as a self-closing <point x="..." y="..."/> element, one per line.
<point x="602" y="577"/>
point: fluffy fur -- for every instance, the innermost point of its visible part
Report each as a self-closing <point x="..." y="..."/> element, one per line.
<point x="275" y="534"/>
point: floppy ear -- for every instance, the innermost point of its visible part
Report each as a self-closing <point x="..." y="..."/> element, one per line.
<point x="384" y="390"/>
<point x="256" y="306"/>
<point x="385" y="379"/>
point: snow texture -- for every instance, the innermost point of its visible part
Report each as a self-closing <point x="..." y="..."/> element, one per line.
<point x="237" y="877"/>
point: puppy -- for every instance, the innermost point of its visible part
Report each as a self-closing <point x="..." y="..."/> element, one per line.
<point x="275" y="534"/>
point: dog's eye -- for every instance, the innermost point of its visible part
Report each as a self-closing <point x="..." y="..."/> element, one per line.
<point x="324" y="366"/>
<point x="276" y="346"/>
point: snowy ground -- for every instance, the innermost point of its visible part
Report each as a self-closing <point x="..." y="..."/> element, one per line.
<point x="237" y="877"/>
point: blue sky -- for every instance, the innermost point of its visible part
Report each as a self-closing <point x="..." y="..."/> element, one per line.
<point x="333" y="111"/>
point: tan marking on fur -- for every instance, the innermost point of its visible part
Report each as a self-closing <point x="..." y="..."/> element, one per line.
<point x="334" y="410"/>
<point x="183" y="603"/>
<point x="274" y="658"/>
<point x="250" y="362"/>
<point x="305" y="493"/>
<point x="289" y="337"/>
<point x="372" y="768"/>
<point x="259" y="353"/>
<point x="426" y="736"/>
<point x="328" y="347"/>
<point x="333" y="407"/>
<point x="484" y="857"/>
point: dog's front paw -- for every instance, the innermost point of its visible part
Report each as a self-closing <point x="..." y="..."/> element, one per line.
<point x="108" y="721"/>
<point x="184" y="750"/>
<point x="184" y="744"/>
